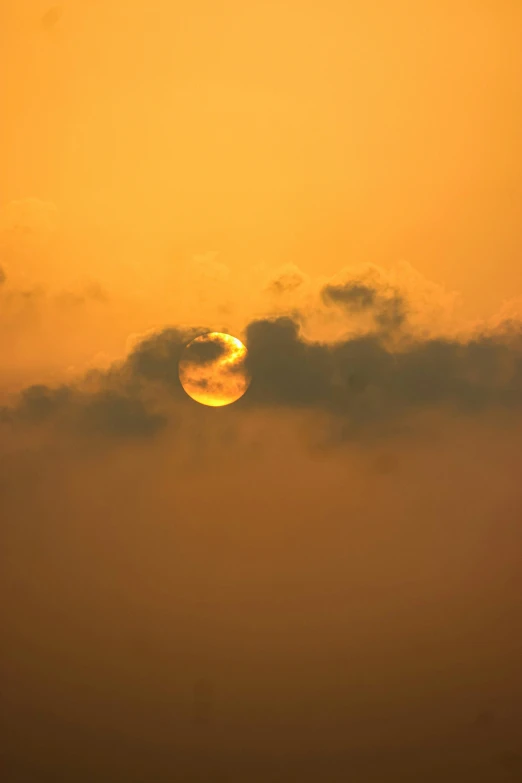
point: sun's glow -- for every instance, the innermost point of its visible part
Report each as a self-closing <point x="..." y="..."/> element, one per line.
<point x="212" y="369"/>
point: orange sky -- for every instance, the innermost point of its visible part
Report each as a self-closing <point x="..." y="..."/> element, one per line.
<point x="268" y="132"/>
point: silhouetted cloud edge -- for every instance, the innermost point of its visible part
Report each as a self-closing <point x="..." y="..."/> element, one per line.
<point x="359" y="379"/>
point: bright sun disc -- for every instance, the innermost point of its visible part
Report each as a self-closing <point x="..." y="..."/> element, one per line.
<point x="212" y="369"/>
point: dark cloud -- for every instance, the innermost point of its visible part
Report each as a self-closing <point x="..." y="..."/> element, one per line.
<point x="112" y="403"/>
<point x="361" y="378"/>
<point x="204" y="351"/>
<point x="285" y="369"/>
<point x="106" y="412"/>
<point x="3" y="276"/>
<point x="156" y="358"/>
<point x="389" y="311"/>
<point x="357" y="296"/>
<point x="38" y="403"/>
<point x="120" y="415"/>
<point x="360" y="381"/>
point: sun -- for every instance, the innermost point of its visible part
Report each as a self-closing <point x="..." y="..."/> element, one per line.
<point x="212" y="369"/>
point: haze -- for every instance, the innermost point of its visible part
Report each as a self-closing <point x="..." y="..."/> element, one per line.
<point x="320" y="582"/>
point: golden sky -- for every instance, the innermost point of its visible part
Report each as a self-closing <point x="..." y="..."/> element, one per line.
<point x="269" y="132"/>
<point x="321" y="581"/>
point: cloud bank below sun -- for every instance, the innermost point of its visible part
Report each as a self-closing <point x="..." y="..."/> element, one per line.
<point x="382" y="365"/>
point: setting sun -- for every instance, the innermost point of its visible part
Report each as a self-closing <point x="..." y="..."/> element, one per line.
<point x="211" y="369"/>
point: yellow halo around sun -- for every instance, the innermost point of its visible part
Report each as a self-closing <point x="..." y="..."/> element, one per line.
<point x="212" y="369"/>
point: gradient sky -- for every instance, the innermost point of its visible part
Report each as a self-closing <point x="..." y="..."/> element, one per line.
<point x="320" y="582"/>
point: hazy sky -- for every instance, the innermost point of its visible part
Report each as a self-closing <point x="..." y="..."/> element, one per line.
<point x="320" y="582"/>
